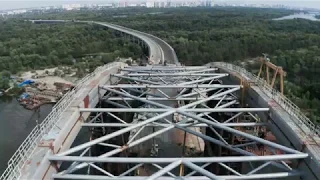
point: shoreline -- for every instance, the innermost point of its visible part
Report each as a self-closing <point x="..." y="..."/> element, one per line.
<point x="35" y="88"/>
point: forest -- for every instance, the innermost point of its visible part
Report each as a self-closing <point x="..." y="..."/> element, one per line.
<point x="25" y="46"/>
<point x="198" y="35"/>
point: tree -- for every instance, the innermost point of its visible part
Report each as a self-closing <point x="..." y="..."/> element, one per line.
<point x="5" y="79"/>
<point x="107" y="58"/>
<point x="6" y="74"/>
<point x="296" y="68"/>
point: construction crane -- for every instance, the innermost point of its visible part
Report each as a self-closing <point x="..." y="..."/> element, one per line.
<point x="266" y="64"/>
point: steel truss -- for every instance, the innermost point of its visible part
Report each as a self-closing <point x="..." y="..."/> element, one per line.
<point x="172" y="99"/>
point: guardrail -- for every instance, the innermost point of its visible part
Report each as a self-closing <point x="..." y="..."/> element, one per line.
<point x="302" y="121"/>
<point x="27" y="147"/>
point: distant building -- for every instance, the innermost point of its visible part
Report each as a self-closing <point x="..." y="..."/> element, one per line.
<point x="150" y="4"/>
<point x="209" y="3"/>
<point x="122" y="4"/>
<point x="105" y="5"/>
<point x="132" y="5"/>
<point x="157" y="4"/>
<point x="71" y="6"/>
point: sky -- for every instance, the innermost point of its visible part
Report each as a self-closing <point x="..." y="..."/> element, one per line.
<point x="15" y="4"/>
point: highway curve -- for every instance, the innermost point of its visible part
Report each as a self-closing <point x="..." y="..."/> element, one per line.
<point x="159" y="50"/>
<point x="168" y="53"/>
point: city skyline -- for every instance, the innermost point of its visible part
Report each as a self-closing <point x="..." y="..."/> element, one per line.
<point x="18" y="4"/>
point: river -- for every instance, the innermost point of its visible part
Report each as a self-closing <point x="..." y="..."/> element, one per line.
<point x="15" y="125"/>
<point x="308" y="16"/>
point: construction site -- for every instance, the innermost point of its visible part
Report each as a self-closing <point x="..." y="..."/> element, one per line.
<point x="42" y="87"/>
<point x="169" y="121"/>
<point x="178" y="142"/>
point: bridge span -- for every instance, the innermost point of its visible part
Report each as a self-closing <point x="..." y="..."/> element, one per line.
<point x="159" y="50"/>
<point x="168" y="122"/>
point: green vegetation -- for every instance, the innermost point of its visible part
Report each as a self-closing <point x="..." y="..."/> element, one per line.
<point x="199" y="36"/>
<point x="233" y="34"/>
<point x="303" y="85"/>
<point x="4" y="80"/>
<point x="26" y="46"/>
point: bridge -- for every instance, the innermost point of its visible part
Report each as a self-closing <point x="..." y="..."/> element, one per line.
<point x="216" y="121"/>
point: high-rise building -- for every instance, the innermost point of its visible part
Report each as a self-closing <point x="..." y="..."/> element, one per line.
<point x="149" y="4"/>
<point x="179" y="3"/>
<point x="210" y="3"/>
<point x="162" y="4"/>
<point x="122" y="4"/>
<point x="169" y="3"/>
<point x="157" y="4"/>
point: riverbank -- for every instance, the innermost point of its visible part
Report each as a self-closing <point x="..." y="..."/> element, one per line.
<point x="49" y="76"/>
<point x="38" y="87"/>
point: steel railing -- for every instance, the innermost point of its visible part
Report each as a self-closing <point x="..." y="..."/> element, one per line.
<point x="27" y="147"/>
<point x="308" y="128"/>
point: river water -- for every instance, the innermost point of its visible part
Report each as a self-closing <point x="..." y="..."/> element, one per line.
<point x="15" y="125"/>
<point x="309" y="16"/>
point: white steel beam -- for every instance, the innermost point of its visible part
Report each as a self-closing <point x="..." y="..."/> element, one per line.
<point x="112" y="135"/>
<point x="166" y="125"/>
<point x="168" y="107"/>
<point x="167" y="99"/>
<point x="193" y="172"/>
<point x="165" y="170"/>
<point x="274" y="175"/>
<point x="184" y="110"/>
<point x="159" y="167"/>
<point x="228" y="104"/>
<point x="204" y="79"/>
<point x="200" y="170"/>
<point x="135" y="79"/>
<point x="169" y="86"/>
<point x="255" y="176"/>
<point x="156" y="110"/>
<point x="170" y="68"/>
<point x="230" y="169"/>
<point x="130" y="170"/>
<point x="240" y="133"/>
<point x="160" y="79"/>
<point x="192" y="94"/>
<point x="165" y="160"/>
<point x="127" y="129"/>
<point x="173" y="75"/>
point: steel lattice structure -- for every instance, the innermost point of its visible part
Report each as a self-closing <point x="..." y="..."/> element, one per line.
<point x="149" y="105"/>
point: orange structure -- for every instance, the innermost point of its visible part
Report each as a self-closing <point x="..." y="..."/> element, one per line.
<point x="266" y="64"/>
